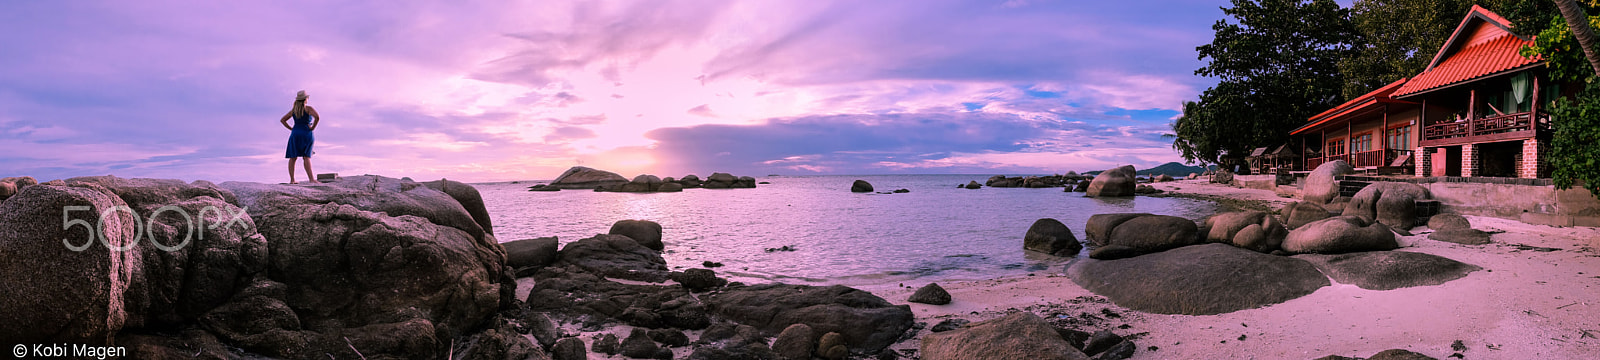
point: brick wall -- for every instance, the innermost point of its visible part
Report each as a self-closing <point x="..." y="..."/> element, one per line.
<point x="1424" y="162"/>
<point x="1469" y="160"/>
<point x="1532" y="164"/>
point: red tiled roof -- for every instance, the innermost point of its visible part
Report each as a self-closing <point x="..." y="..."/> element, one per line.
<point x="1471" y="62"/>
<point x="1364" y="102"/>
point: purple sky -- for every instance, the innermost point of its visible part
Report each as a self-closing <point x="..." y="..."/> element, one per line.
<point x="506" y="90"/>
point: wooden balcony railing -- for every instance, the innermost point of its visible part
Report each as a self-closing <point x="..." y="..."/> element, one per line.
<point x="1362" y="159"/>
<point x="1484" y="126"/>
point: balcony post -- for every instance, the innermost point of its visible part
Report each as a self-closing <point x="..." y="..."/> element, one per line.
<point x="1472" y="111"/>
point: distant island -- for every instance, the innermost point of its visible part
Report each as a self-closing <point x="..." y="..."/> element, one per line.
<point x="1173" y="169"/>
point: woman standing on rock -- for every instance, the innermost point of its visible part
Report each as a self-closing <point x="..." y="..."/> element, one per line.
<point x="305" y="120"/>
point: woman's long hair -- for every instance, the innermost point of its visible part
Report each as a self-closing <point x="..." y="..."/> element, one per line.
<point x="299" y="109"/>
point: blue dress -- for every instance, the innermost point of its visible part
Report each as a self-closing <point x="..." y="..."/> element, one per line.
<point x="300" y="138"/>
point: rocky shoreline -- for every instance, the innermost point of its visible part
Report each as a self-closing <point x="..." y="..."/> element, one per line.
<point x="377" y="267"/>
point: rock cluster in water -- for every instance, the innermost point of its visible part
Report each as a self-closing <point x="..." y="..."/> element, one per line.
<point x="580" y="177"/>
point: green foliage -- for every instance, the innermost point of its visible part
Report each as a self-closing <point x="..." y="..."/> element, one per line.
<point x="1575" y="146"/>
<point x="1575" y="142"/>
<point x="1398" y="39"/>
<point x="1278" y="65"/>
<point x="1561" y="51"/>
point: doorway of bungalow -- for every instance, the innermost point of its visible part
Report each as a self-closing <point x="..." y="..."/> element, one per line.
<point x="1446" y="161"/>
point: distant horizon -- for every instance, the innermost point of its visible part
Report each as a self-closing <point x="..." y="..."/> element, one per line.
<point x="502" y="91"/>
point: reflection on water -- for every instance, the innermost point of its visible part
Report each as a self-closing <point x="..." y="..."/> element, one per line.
<point x="935" y="232"/>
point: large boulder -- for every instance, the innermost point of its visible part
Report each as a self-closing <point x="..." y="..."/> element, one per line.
<point x="1001" y="181"/>
<point x="580" y="177"/>
<point x="869" y="323"/>
<point x="1163" y="178"/>
<point x="11" y="185"/>
<point x="1387" y="270"/>
<point x="615" y="256"/>
<point x="646" y="232"/>
<point x="89" y="257"/>
<point x="744" y="182"/>
<point x="1113" y="182"/>
<point x="469" y="198"/>
<point x="389" y="263"/>
<point x="1340" y="234"/>
<point x="861" y="186"/>
<point x="641" y="183"/>
<point x="1083" y="186"/>
<point x="1222" y="176"/>
<point x="796" y="342"/>
<point x="83" y="301"/>
<point x="1198" y="280"/>
<point x="1390" y="203"/>
<point x="690" y="181"/>
<point x="973" y="185"/>
<point x="1322" y="185"/>
<point x="1148" y="234"/>
<point x="1018" y="335"/>
<point x="931" y="294"/>
<point x="389" y="266"/>
<point x="1464" y="236"/>
<point x="531" y="252"/>
<point x="719" y="181"/>
<point x="1052" y="237"/>
<point x="670" y="187"/>
<point x="1303" y="212"/>
<point x="1098" y="229"/>
<point x="1229" y="228"/>
<point x="1448" y="221"/>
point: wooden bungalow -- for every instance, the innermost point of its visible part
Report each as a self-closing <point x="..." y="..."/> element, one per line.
<point x="1475" y="111"/>
<point x="1373" y="132"/>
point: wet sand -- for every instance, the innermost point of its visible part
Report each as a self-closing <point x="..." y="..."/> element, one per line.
<point x="1537" y="297"/>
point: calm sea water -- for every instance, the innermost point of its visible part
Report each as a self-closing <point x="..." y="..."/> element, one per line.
<point x="936" y="232"/>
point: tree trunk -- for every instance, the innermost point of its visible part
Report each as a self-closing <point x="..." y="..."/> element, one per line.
<point x="1579" y="23"/>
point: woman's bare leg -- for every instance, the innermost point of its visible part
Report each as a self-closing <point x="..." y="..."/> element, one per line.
<point x="291" y="170"/>
<point x="309" y="175"/>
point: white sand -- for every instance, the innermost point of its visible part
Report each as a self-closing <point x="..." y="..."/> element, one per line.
<point x="1525" y="304"/>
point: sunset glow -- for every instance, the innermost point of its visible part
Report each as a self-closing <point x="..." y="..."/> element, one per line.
<point x="522" y="90"/>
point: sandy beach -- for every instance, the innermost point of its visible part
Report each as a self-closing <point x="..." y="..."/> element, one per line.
<point x="1538" y="296"/>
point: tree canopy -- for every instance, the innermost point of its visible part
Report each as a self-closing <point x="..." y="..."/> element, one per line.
<point x="1278" y="64"/>
<point x="1575" y="142"/>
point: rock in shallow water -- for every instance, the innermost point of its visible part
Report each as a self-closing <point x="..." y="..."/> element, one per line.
<point x="861" y="186"/>
<point x="1386" y="270"/>
<point x="1052" y="237"/>
<point x="1113" y="182"/>
<point x="646" y="232"/>
<point x="1199" y="280"/>
<point x="615" y="256"/>
<point x="531" y="252"/>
